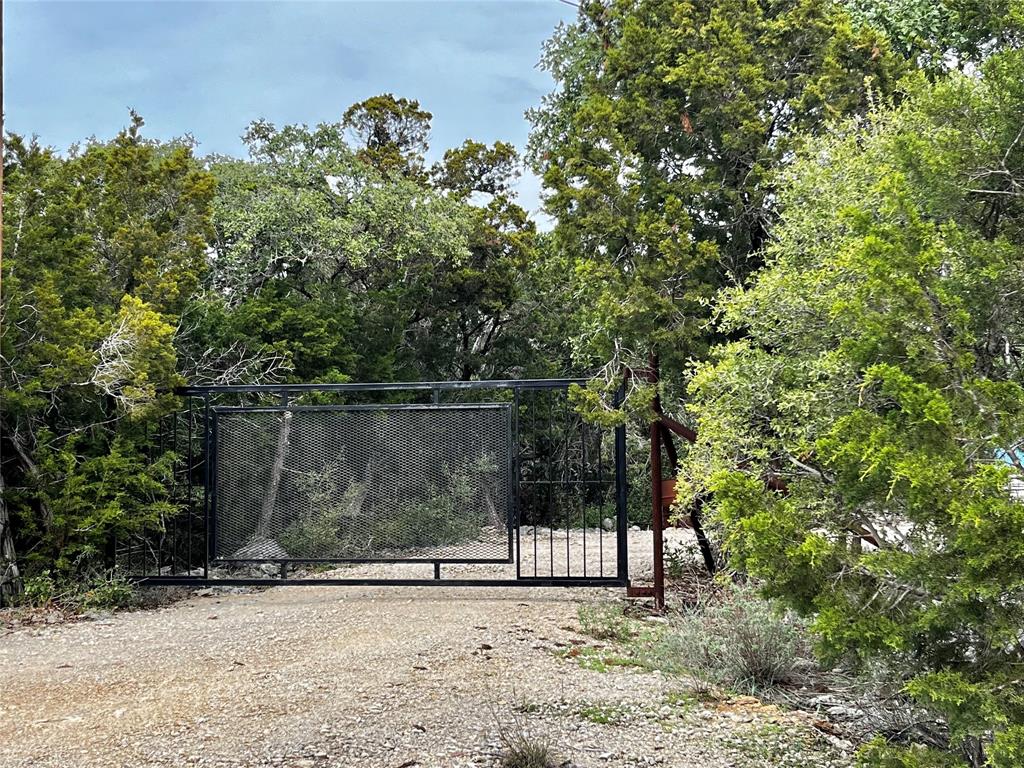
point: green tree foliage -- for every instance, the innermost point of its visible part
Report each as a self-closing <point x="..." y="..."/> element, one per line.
<point x="312" y="236"/>
<point x="103" y="249"/>
<point x="484" y="306"/>
<point x="349" y="271"/>
<point x="660" y="145"/>
<point x="942" y="34"/>
<point x="475" y="167"/>
<point x="878" y="375"/>
<point x="130" y="269"/>
<point x="391" y="133"/>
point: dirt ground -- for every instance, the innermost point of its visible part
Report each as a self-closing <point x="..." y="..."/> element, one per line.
<point x="349" y="676"/>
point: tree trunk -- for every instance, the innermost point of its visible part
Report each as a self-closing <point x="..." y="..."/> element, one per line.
<point x="31" y="470"/>
<point x="270" y="498"/>
<point x="10" y="576"/>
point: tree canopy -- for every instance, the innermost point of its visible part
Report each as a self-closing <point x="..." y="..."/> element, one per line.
<point x="131" y="267"/>
<point x="660" y="145"/>
<point x="104" y="250"/>
<point x="878" y="373"/>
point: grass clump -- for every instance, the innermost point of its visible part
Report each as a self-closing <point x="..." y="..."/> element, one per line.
<point x="605" y="621"/>
<point x="521" y="748"/>
<point x="605" y="714"/>
<point x="740" y="642"/>
<point x="525" y="752"/>
<point x="598" y="659"/>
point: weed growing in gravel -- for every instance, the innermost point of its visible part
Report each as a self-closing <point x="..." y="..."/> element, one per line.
<point x="781" y="747"/>
<point x="605" y="621"/>
<point x="521" y="747"/>
<point x="598" y="659"/>
<point x="672" y="709"/>
<point x="605" y="714"/>
<point x="526" y="707"/>
<point x="681" y="700"/>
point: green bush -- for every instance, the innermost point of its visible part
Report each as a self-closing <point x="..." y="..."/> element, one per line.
<point x="742" y="642"/>
<point x="39" y="590"/>
<point x="107" y="591"/>
<point x="108" y="594"/>
<point x="863" y="382"/>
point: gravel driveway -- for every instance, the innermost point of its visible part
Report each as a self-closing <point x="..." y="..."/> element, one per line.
<point x="341" y="676"/>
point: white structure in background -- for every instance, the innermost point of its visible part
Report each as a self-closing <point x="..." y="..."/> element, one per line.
<point x="1016" y="481"/>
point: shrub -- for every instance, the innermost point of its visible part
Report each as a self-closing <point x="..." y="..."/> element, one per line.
<point x="742" y="641"/>
<point x="101" y="591"/>
<point x="39" y="590"/>
<point x="859" y="377"/>
<point x="878" y="703"/>
<point x="110" y="592"/>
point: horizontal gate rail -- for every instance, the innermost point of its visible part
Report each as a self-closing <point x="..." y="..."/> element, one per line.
<point x="357" y="408"/>
<point x="508" y="384"/>
<point x="383" y="582"/>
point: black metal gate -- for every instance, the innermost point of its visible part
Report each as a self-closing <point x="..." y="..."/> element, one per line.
<point x="489" y="483"/>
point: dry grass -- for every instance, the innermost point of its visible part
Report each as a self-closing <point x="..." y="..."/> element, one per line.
<point x="521" y="747"/>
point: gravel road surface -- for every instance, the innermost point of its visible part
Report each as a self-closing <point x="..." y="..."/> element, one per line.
<point x="310" y="677"/>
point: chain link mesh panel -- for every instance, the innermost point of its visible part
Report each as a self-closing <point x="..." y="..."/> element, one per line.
<point x="363" y="483"/>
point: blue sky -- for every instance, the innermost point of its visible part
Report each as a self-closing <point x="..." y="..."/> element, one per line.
<point x="72" y="69"/>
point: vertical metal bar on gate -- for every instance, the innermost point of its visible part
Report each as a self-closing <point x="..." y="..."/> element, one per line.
<point x="657" y="523"/>
<point x="536" y="493"/>
<point x="212" y="529"/>
<point x="622" y="554"/>
<point x="175" y="493"/>
<point x="600" y="512"/>
<point x="566" y="483"/>
<point x="514" y="514"/>
<point x="512" y="480"/>
<point x="148" y="457"/>
<point x="583" y="487"/>
<point x="161" y="533"/>
<point x="207" y="540"/>
<point x="190" y="500"/>
<point x="551" y="484"/>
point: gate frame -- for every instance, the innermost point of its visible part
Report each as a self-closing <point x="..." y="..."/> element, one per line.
<point x="287" y="391"/>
